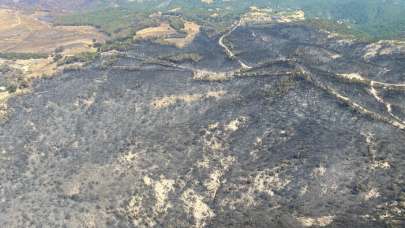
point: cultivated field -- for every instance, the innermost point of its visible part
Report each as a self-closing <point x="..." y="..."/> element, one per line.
<point x="21" y="32"/>
<point x="165" y="34"/>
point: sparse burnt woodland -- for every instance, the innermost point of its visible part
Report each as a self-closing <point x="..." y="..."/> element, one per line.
<point x="299" y="128"/>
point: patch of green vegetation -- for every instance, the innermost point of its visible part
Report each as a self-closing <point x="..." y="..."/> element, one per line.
<point x="11" y="88"/>
<point x="340" y="28"/>
<point x="177" y="23"/>
<point x="182" y="57"/>
<point x="113" y="21"/>
<point x="119" y="44"/>
<point x="12" y="79"/>
<point x="85" y="57"/>
<point x="15" y="56"/>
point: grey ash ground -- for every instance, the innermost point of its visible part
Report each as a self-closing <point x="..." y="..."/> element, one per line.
<point x="298" y="140"/>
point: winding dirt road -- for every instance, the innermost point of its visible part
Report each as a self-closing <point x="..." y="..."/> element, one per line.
<point x="228" y="51"/>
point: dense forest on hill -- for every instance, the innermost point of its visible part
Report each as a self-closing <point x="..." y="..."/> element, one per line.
<point x="368" y="17"/>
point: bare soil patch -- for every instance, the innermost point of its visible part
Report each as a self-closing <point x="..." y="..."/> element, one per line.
<point x="24" y="33"/>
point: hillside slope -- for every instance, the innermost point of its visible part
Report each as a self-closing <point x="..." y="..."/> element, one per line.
<point x="290" y="126"/>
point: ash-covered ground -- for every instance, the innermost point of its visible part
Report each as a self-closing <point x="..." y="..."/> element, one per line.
<point x="309" y="133"/>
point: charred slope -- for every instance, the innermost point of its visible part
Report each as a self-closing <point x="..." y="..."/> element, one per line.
<point x="270" y="146"/>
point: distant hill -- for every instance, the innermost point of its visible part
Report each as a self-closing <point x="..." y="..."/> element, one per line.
<point x="379" y="19"/>
<point x="54" y="4"/>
